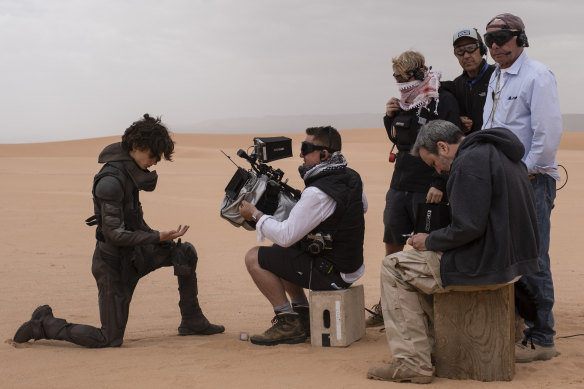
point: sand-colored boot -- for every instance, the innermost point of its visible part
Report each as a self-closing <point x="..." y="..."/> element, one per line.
<point x="396" y="371"/>
<point x="376" y="317"/>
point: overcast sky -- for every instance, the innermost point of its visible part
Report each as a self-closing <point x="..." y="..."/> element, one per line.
<point x="88" y="68"/>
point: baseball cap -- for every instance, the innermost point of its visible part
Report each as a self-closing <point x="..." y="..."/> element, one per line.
<point x="510" y="22"/>
<point x="466" y="33"/>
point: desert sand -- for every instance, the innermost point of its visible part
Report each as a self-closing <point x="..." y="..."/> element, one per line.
<point x="46" y="249"/>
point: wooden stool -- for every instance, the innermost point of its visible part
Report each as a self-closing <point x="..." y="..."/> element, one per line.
<point x="474" y="332"/>
<point x="337" y="317"/>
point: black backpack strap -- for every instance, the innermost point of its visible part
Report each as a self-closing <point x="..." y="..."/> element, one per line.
<point x="91" y="221"/>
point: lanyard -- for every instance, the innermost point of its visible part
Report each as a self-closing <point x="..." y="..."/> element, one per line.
<point x="473" y="81"/>
<point x="496" y="95"/>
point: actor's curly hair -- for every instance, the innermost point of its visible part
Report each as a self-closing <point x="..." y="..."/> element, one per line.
<point x="149" y="134"/>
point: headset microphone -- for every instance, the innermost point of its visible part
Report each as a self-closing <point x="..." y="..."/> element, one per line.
<point x="508" y="53"/>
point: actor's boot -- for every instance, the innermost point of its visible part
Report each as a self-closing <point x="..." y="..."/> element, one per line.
<point x="286" y="328"/>
<point x="193" y="320"/>
<point x="33" y="328"/>
<point x="304" y="312"/>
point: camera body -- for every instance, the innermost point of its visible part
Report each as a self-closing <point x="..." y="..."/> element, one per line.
<point x="262" y="185"/>
<point x="318" y="242"/>
<point x="268" y="149"/>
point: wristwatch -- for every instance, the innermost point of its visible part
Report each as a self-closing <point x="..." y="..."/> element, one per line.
<point x="255" y="215"/>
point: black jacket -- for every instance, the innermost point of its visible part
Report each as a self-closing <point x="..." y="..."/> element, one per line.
<point x="471" y="94"/>
<point x="493" y="234"/>
<point x="347" y="223"/>
<point x="119" y="216"/>
<point x="411" y="173"/>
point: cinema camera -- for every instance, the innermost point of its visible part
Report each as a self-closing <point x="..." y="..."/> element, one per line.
<point x="261" y="185"/>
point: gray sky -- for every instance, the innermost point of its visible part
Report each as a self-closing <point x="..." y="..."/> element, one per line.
<point x="88" y="68"/>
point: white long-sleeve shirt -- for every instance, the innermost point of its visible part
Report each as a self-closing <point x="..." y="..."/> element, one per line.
<point x="524" y="99"/>
<point x="313" y="208"/>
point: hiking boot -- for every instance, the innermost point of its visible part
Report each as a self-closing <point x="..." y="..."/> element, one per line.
<point x="286" y="328"/>
<point x="211" y="329"/>
<point x="304" y="312"/>
<point x="33" y="329"/>
<point x="528" y="353"/>
<point x="376" y="318"/>
<point x="396" y="371"/>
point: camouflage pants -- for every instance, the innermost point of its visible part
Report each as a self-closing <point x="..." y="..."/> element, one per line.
<point x="408" y="280"/>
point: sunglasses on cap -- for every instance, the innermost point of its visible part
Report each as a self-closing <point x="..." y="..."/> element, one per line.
<point x="469" y="48"/>
<point x="307" y="148"/>
<point x="500" y="37"/>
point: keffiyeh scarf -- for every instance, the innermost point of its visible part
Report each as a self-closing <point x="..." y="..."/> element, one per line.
<point x="418" y="94"/>
<point x="336" y="161"/>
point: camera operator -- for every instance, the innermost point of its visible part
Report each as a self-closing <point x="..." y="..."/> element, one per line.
<point x="319" y="246"/>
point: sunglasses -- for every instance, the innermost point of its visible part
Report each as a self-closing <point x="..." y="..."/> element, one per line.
<point x="307" y="148"/>
<point x="500" y="37"/>
<point x="470" y="48"/>
<point x="399" y="78"/>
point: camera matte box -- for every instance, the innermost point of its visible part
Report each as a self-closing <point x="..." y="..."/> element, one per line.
<point x="236" y="183"/>
<point x="270" y="149"/>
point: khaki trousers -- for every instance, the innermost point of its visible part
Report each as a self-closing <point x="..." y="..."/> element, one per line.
<point x="408" y="280"/>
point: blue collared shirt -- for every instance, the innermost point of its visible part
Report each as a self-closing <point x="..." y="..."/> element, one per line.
<point x="524" y="99"/>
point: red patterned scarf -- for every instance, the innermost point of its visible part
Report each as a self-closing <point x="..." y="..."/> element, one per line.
<point x="418" y="94"/>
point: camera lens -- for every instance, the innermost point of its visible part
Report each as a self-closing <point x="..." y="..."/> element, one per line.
<point x="315" y="247"/>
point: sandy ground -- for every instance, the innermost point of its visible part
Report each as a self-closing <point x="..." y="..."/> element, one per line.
<point x="45" y="251"/>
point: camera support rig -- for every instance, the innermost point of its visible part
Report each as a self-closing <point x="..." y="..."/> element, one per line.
<point x="265" y="149"/>
<point x="273" y="174"/>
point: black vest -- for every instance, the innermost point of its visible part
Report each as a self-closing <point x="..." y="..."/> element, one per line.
<point x="347" y="224"/>
<point x="133" y="215"/>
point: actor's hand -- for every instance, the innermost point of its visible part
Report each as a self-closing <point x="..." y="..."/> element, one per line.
<point x="418" y="241"/>
<point x="466" y="123"/>
<point x="173" y="234"/>
<point x="434" y="195"/>
<point x="246" y="209"/>
<point x="392" y="107"/>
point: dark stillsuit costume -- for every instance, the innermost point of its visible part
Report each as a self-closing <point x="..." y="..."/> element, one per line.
<point x="126" y="250"/>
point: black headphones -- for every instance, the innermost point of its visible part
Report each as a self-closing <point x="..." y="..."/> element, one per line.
<point x="322" y="154"/>
<point x="418" y="74"/>
<point x="522" y="39"/>
<point x="482" y="47"/>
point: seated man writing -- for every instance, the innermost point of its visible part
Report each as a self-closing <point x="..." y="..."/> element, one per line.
<point x="332" y="207"/>
<point x="492" y="239"/>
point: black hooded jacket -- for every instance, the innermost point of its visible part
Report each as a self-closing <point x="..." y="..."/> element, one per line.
<point x="493" y="234"/>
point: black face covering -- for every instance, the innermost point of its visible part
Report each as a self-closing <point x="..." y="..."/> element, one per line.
<point x="143" y="179"/>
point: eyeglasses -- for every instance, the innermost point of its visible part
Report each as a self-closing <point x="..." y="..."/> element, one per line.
<point x="399" y="78"/>
<point x="470" y="48"/>
<point x="500" y="37"/>
<point x="307" y="148"/>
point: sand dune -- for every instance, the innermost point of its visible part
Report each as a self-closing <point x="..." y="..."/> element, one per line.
<point x="46" y="253"/>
